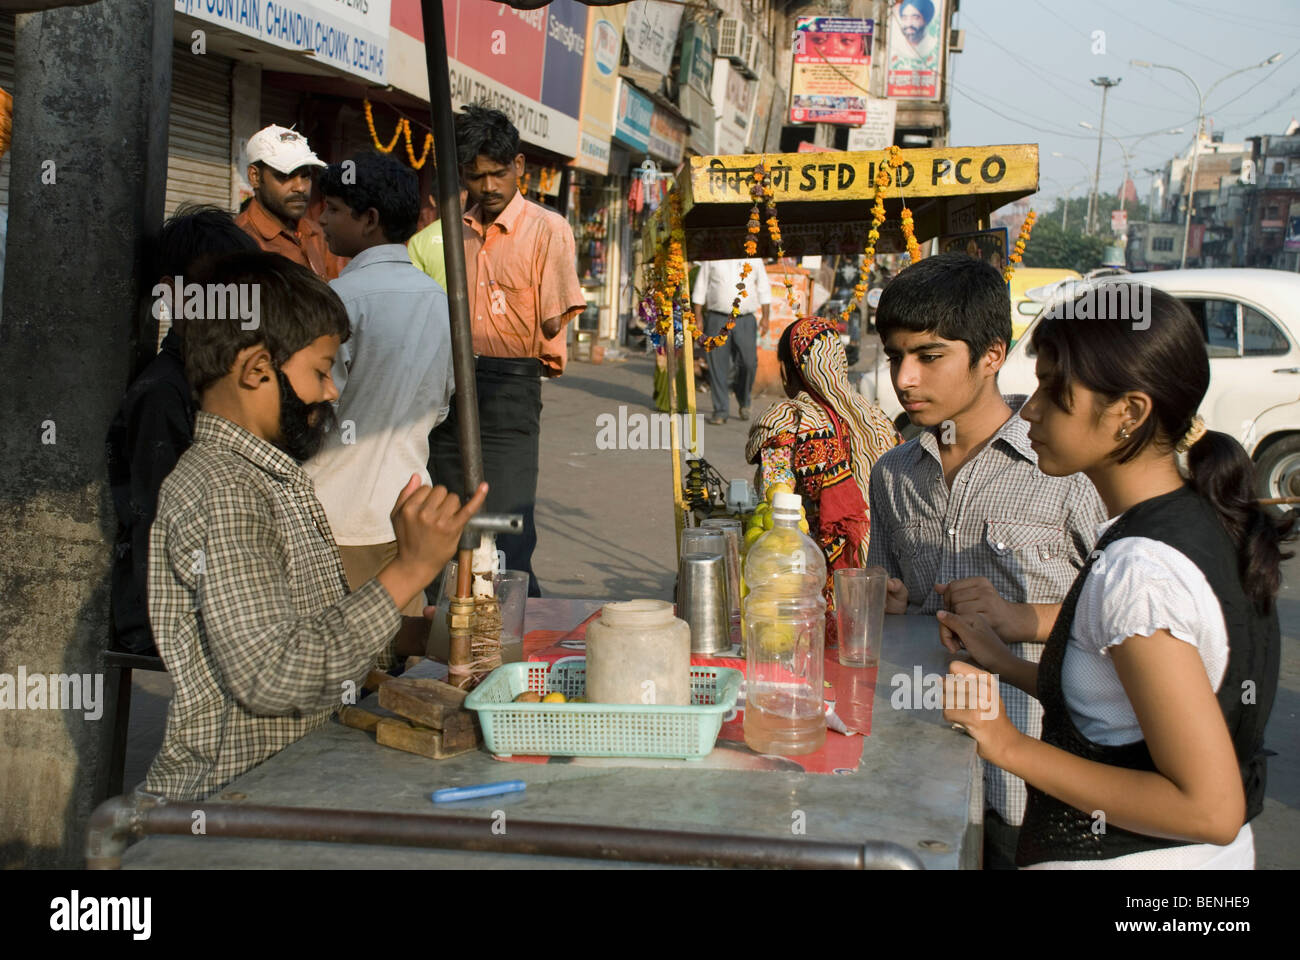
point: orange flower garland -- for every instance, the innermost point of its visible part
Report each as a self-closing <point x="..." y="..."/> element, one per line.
<point x="877" y="218"/>
<point x="403" y="127"/>
<point x="756" y="193"/>
<point x="1021" y="242"/>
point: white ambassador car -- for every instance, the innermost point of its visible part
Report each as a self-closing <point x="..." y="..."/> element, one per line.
<point x="1251" y="323"/>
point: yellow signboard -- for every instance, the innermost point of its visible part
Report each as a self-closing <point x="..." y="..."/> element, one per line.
<point x="940" y="172"/>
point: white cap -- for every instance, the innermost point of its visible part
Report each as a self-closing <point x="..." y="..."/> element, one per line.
<point x="787" y="502"/>
<point x="282" y="149"/>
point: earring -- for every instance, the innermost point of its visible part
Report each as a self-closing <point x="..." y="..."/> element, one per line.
<point x="1123" y="431"/>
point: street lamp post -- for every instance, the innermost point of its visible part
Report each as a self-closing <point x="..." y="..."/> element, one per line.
<point x="1200" y="127"/>
<point x="1087" y="172"/>
<point x="1105" y="83"/>
<point x="1128" y="155"/>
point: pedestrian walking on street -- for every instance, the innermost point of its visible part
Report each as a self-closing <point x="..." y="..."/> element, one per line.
<point x="280" y="169"/>
<point x="394" y="374"/>
<point x="715" y="290"/>
<point x="521" y="268"/>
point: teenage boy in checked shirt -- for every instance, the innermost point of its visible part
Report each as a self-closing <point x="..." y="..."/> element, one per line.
<point x="247" y="596"/>
<point x="961" y="516"/>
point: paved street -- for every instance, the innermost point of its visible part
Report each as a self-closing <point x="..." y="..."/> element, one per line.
<point x="605" y="529"/>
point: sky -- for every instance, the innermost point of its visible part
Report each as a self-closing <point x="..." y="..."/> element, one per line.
<point x="1024" y="78"/>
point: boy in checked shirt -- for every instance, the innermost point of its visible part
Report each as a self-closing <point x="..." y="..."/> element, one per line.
<point x="247" y="596"/>
<point x="961" y="516"/>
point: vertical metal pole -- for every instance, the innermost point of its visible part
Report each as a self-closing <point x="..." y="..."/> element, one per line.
<point x="1191" y="187"/>
<point x="453" y="246"/>
<point x="462" y="336"/>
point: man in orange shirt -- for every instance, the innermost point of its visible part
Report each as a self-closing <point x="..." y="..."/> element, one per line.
<point x="280" y="167"/>
<point x="521" y="267"/>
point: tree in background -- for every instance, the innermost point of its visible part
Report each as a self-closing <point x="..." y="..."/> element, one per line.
<point x="1071" y="248"/>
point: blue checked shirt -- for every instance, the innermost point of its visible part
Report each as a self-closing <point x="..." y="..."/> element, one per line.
<point x="1029" y="534"/>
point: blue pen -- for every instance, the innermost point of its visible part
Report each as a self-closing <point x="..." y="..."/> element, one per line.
<point x="479" y="790"/>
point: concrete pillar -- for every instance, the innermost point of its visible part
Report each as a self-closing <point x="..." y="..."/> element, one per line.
<point x="245" y="120"/>
<point x="86" y="199"/>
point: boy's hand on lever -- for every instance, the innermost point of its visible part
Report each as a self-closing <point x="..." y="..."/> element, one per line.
<point x="428" y="522"/>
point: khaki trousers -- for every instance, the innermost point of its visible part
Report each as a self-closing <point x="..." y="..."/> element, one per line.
<point x="362" y="563"/>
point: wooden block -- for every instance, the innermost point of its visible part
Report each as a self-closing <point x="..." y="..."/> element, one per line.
<point x="359" y="719"/>
<point x="422" y="702"/>
<point x="420" y="740"/>
<point x="375" y="679"/>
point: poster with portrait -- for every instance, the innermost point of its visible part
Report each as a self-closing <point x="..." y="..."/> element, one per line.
<point x="832" y="70"/>
<point x="915" y="60"/>
<point x="987" y="245"/>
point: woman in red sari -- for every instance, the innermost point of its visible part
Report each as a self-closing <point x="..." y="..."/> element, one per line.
<point x="822" y="441"/>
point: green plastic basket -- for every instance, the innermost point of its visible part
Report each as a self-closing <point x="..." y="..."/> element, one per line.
<point x="598" y="729"/>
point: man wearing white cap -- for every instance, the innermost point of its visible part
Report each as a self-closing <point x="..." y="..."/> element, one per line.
<point x="280" y="166"/>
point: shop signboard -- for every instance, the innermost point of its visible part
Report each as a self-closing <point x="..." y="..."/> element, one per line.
<point x="349" y="35"/>
<point x="651" y="33"/>
<point x="667" y="139"/>
<point x="914" y="65"/>
<point x="501" y="57"/>
<point x="529" y="64"/>
<point x="938" y="172"/>
<point x="733" y="98"/>
<point x="632" y="121"/>
<point x="831" y="70"/>
<point x="696" y="69"/>
<point x="600" y="86"/>
<point x="878" y="132"/>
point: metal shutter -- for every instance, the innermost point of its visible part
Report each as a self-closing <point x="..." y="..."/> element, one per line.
<point x="6" y="82"/>
<point x="198" y="138"/>
<point x="280" y="106"/>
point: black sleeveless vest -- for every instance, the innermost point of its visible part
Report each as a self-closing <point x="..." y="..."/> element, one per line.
<point x="1053" y="830"/>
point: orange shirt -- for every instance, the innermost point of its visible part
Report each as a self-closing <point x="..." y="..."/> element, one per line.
<point x="522" y="270"/>
<point x="306" y="245"/>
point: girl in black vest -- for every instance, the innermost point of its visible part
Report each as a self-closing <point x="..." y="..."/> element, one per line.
<point x="1159" y="675"/>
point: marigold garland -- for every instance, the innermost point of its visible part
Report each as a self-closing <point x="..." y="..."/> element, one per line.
<point x="403" y="127"/>
<point x="1022" y="241"/>
<point x="891" y="158"/>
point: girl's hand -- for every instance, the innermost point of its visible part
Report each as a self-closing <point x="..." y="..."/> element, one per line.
<point x="970" y="698"/>
<point x="975" y="635"/>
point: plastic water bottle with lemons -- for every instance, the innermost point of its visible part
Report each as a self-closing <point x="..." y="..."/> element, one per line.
<point x="785" y="631"/>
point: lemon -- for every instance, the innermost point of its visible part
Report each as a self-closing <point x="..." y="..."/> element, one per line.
<point x="767" y="520"/>
<point x="803" y="525"/>
<point x="776" y="488"/>
<point x="775" y="639"/>
<point x="554" y="698"/>
<point x="752" y="534"/>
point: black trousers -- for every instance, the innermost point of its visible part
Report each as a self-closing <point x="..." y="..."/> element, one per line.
<point x="1000" y="842"/>
<point x="510" y="414"/>
<point x="742" y="346"/>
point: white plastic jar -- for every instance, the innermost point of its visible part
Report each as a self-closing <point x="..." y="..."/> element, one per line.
<point x="638" y="652"/>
